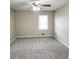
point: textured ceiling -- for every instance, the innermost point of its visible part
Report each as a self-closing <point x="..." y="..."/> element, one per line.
<point x="27" y="4"/>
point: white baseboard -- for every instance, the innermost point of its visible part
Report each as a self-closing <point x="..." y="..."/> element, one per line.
<point x="13" y="40"/>
<point x="61" y="41"/>
<point x="34" y="36"/>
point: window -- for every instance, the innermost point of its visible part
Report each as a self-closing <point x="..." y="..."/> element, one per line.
<point x="43" y="22"/>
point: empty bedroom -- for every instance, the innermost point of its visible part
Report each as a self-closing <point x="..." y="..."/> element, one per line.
<point x="39" y="29"/>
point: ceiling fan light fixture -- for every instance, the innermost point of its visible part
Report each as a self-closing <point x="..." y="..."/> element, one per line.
<point x="36" y="8"/>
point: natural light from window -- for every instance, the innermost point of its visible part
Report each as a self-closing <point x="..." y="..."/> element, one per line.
<point x="43" y="22"/>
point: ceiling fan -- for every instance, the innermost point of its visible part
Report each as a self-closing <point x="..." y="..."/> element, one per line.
<point x="37" y="5"/>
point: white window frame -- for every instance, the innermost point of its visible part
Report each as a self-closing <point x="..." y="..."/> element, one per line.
<point x="43" y="22"/>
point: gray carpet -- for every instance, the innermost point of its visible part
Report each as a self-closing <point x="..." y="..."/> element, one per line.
<point x="38" y="48"/>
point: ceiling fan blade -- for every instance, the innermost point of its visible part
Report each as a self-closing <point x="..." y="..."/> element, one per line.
<point x="46" y="5"/>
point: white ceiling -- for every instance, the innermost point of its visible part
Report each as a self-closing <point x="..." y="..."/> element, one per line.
<point x="27" y="4"/>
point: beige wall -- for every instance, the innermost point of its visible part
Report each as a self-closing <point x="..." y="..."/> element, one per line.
<point x="27" y="23"/>
<point x="12" y="25"/>
<point x="62" y="24"/>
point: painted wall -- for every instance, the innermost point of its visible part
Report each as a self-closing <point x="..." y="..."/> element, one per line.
<point x="62" y="24"/>
<point x="27" y="23"/>
<point x="12" y="25"/>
